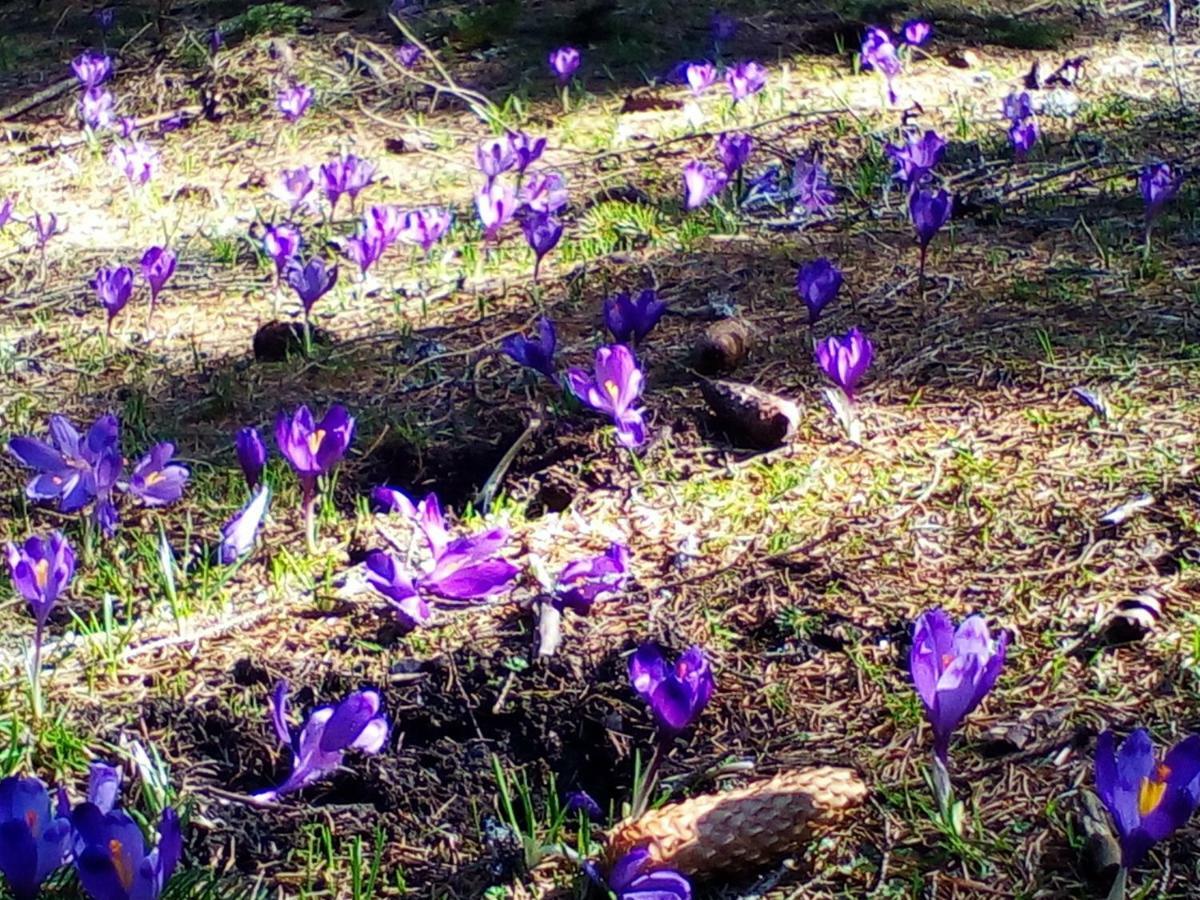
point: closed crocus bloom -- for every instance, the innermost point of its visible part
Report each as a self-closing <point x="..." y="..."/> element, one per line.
<point x="545" y="193"/>
<point x="158" y="265"/>
<point x="137" y="161"/>
<point x="111" y="856"/>
<point x="1017" y="106"/>
<point x="281" y="243"/>
<point x="34" y="841"/>
<point x="96" y="108"/>
<point x="700" y="184"/>
<point x="496" y="206"/>
<point x="45" y="227"/>
<point x="818" y="283"/>
<point x="614" y="389"/>
<point x="953" y="670"/>
<point x="92" y="68"/>
<point x="387" y="221"/>
<point x="408" y="55"/>
<point x="364" y="249"/>
<point x="542" y="232"/>
<point x="582" y="582"/>
<point x="1157" y="185"/>
<point x="293" y="187"/>
<point x="156" y="481"/>
<point x="878" y="53"/>
<point x="536" y="353"/>
<point x="425" y="227"/>
<point x="311" y="281"/>
<point x="113" y="288"/>
<point x="676" y="694"/>
<point x="1022" y="135"/>
<point x="357" y="723"/>
<point x="564" y="62"/>
<point x="41" y="569"/>
<point x="724" y="26"/>
<point x="629" y="319"/>
<point x="251" y="454"/>
<point x="294" y="101"/>
<point x="916" y="32"/>
<point x="240" y="533"/>
<point x="313" y="449"/>
<point x="1147" y="799"/>
<point x="916" y="158"/>
<point x="811" y="187"/>
<point x="634" y="877"/>
<point x="929" y="210"/>
<point x="745" y="79"/>
<point x="700" y="76"/>
<point x="495" y="157"/>
<point x="845" y="359"/>
<point x="525" y="149"/>
<point x="734" y="150"/>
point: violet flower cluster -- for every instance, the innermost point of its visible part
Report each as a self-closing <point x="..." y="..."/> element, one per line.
<point x="75" y="470"/>
<point x="457" y="569"/>
<point x="879" y="51"/>
<point x="1022" y="123"/>
<point x="93" y="69"/>
<point x="114" y="286"/>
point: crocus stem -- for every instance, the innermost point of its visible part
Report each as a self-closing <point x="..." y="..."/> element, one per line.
<point x="942" y="789"/>
<point x="921" y="272"/>
<point x="566" y="97"/>
<point x="1118" y="888"/>
<point x="307" y="335"/>
<point x="1146" y="242"/>
<point x="35" y="675"/>
<point x="310" y="521"/>
<point x="645" y="790"/>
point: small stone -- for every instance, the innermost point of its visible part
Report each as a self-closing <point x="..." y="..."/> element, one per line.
<point x="275" y="341"/>
<point x="963" y="59"/>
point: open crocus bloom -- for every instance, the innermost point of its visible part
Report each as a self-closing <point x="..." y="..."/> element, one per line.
<point x="354" y="724"/>
<point x="634" y="877"/>
<point x="582" y="582"/>
<point x="953" y="670"/>
<point x="314" y="448"/>
<point x="676" y="694"/>
<point x="156" y="480"/>
<point x="614" y="389"/>
<point x="1148" y="800"/>
<point x="33" y="840"/>
<point x="67" y="467"/>
<point x="111" y="856"/>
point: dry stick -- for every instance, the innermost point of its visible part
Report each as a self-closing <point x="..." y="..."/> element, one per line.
<point x="478" y="103"/>
<point x="483" y="499"/>
<point x="45" y="95"/>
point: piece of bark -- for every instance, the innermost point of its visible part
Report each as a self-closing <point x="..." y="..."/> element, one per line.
<point x="750" y="416"/>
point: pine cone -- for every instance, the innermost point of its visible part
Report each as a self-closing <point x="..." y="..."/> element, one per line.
<point x="750" y="416"/>
<point x="723" y="346"/>
<point x="747" y="828"/>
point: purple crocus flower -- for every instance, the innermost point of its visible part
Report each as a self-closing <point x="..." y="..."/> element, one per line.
<point x="387" y="221"/>
<point x="92" y="68"/>
<point x="67" y="467"/>
<point x="293" y="187"/>
<point x="634" y="877"/>
<point x="542" y="233"/>
<point x="545" y="193"/>
<point x="613" y="390"/>
<point x="281" y="243"/>
<point x="1017" y="106"/>
<point x="916" y="32"/>
<point x="1023" y="134"/>
<point x="676" y="694"/>
<point x="917" y="158"/>
<point x="363" y="249"/>
<point x="96" y="108"/>
<point x="293" y="101"/>
<point x="408" y="55"/>
<point x="700" y="184"/>
<point x="468" y="568"/>
<point x="582" y="801"/>
<point x="155" y="479"/>
<point x="357" y="723"/>
<point x="41" y="569"/>
<point x="811" y="187"/>
<point x="582" y="582"/>
<point x="845" y="359"/>
<point x="348" y="175"/>
<point x="34" y="840"/>
<point x="1158" y="186"/>
<point x="724" y="26"/>
<point x="104" y="786"/>
<point x="929" y="211"/>
<point x="1148" y="800"/>
<point x="496" y="206"/>
<point x="425" y="227"/>
<point x="700" y="76"/>
<point x="113" y="289"/>
<point x="953" y="670"/>
<point x="734" y="150"/>
<point x="495" y="157"/>
<point x="745" y="79"/>
<point x="385" y="575"/>
<point x="311" y="281"/>
<point x="251" y="454"/>
<point x="137" y="161"/>
<point x="536" y="353"/>
<point x="878" y="54"/>
<point x="629" y="319"/>
<point x="818" y="283"/>
<point x="6" y="209"/>
<point x="158" y="265"/>
<point x="111" y="857"/>
<point x="564" y="62"/>
<point x="525" y="149"/>
<point x="313" y="449"/>
<point x="240" y="532"/>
